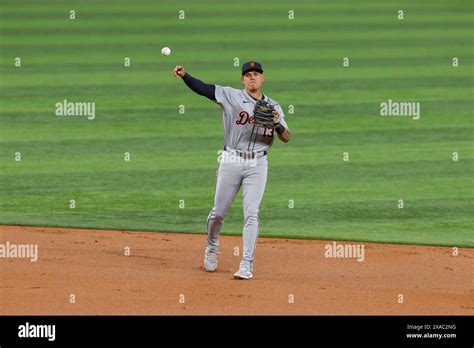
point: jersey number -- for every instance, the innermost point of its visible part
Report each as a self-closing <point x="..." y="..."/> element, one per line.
<point x="270" y="130"/>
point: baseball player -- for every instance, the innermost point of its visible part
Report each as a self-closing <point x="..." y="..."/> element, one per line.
<point x="244" y="160"/>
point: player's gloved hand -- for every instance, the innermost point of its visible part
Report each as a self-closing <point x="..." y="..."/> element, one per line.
<point x="263" y="114"/>
<point x="179" y="71"/>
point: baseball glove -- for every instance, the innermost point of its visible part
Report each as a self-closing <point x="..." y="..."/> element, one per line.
<point x="263" y="114"/>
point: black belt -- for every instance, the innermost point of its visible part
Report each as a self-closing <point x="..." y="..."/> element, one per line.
<point x="245" y="153"/>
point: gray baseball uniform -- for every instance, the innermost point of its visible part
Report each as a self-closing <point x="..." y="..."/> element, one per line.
<point x="235" y="172"/>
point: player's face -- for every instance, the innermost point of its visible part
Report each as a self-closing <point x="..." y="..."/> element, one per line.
<point x="253" y="80"/>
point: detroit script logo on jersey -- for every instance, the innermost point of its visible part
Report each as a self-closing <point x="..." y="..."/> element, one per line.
<point x="245" y="118"/>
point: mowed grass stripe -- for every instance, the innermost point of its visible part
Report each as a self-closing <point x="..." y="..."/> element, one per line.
<point x="322" y="169"/>
<point x="152" y="82"/>
<point x="334" y="137"/>
<point x="322" y="99"/>
<point x="324" y="192"/>
<point x="330" y="118"/>
<point x="143" y="89"/>
<point x="39" y="64"/>
<point x="210" y="5"/>
<point x="59" y="38"/>
<point x="318" y="103"/>
<point x="222" y="56"/>
<point x="183" y="42"/>
<point x="381" y="211"/>
<point x="211" y="26"/>
<point x="209" y="112"/>
<point x="159" y="16"/>
<point x="339" y="10"/>
<point x="365" y="158"/>
<point x="329" y="49"/>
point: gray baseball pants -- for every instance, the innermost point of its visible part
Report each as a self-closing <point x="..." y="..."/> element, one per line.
<point x="252" y="176"/>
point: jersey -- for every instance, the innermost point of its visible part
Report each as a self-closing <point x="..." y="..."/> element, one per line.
<point x="239" y="130"/>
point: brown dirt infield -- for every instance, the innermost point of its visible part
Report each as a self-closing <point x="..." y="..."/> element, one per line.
<point x="163" y="266"/>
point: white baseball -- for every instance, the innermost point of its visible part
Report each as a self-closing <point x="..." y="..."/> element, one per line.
<point x="166" y="51"/>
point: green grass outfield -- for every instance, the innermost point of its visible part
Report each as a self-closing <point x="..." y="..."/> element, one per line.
<point x="173" y="156"/>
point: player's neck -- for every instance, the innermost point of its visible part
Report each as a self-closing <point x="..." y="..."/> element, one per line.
<point x="256" y="94"/>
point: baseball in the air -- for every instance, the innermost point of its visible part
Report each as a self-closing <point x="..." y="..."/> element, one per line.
<point x="166" y="51"/>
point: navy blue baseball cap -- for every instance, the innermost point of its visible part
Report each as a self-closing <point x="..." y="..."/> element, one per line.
<point x="252" y="66"/>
